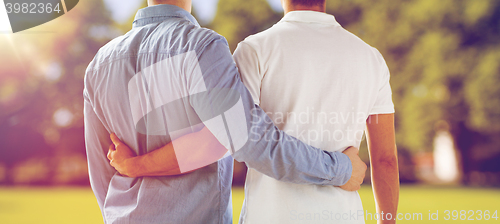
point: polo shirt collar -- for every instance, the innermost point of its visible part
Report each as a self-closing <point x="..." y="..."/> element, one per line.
<point x="158" y="13"/>
<point x="310" y="17"/>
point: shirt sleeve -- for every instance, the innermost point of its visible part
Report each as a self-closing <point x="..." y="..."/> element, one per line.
<point x="250" y="135"/>
<point x="97" y="143"/>
<point x="247" y="61"/>
<point x="383" y="103"/>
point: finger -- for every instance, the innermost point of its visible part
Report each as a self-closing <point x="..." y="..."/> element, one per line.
<point x="349" y="188"/>
<point x="115" y="139"/>
<point x="352" y="189"/>
<point x="350" y="148"/>
<point x="357" y="150"/>
<point x="347" y="148"/>
<point x="110" y="152"/>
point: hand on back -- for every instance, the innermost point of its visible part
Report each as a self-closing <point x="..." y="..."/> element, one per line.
<point x="358" y="170"/>
<point x="119" y="154"/>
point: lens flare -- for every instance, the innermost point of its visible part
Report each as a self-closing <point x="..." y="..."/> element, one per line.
<point x="5" y="27"/>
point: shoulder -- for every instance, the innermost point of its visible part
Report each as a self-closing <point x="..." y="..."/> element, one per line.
<point x="208" y="36"/>
<point x="264" y="37"/>
<point x="379" y="58"/>
<point x="201" y="40"/>
<point x="205" y="33"/>
<point x="105" y="53"/>
<point x="362" y="45"/>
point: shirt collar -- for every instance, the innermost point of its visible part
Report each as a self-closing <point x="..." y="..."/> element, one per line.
<point x="310" y="17"/>
<point x="158" y="13"/>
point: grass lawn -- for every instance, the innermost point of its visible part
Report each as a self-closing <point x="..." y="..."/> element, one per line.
<point x="78" y="205"/>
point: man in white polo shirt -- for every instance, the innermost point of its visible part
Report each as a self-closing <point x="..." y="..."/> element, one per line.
<point x="325" y="86"/>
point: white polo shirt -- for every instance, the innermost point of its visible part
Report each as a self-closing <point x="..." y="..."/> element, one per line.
<point x="319" y="83"/>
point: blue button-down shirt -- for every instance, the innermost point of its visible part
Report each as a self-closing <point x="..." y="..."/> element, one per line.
<point x="168" y="77"/>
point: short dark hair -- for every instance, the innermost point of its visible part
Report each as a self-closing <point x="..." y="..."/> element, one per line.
<point x="308" y="2"/>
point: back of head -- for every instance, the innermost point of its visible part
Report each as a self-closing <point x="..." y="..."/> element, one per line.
<point x="185" y="4"/>
<point x="308" y="2"/>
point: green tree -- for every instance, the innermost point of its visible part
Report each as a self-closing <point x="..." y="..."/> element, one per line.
<point x="235" y="19"/>
<point x="444" y="63"/>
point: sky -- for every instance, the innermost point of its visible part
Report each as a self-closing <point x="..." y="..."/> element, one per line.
<point x="204" y="9"/>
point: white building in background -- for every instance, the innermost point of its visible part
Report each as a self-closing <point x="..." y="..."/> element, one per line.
<point x="445" y="158"/>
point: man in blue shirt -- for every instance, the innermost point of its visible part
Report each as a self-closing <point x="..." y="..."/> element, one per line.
<point x="170" y="84"/>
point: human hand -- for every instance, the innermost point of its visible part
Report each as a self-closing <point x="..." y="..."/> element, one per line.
<point x="358" y="170"/>
<point x="120" y="157"/>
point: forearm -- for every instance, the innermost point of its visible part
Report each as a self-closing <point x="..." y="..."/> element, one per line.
<point x="384" y="164"/>
<point x="161" y="162"/>
<point x="183" y="155"/>
<point x="285" y="158"/>
<point x="385" y="183"/>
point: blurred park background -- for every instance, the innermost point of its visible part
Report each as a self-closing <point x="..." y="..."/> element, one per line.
<point x="444" y="58"/>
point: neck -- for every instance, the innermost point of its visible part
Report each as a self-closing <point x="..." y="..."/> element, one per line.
<point x="289" y="8"/>
<point x="184" y="4"/>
